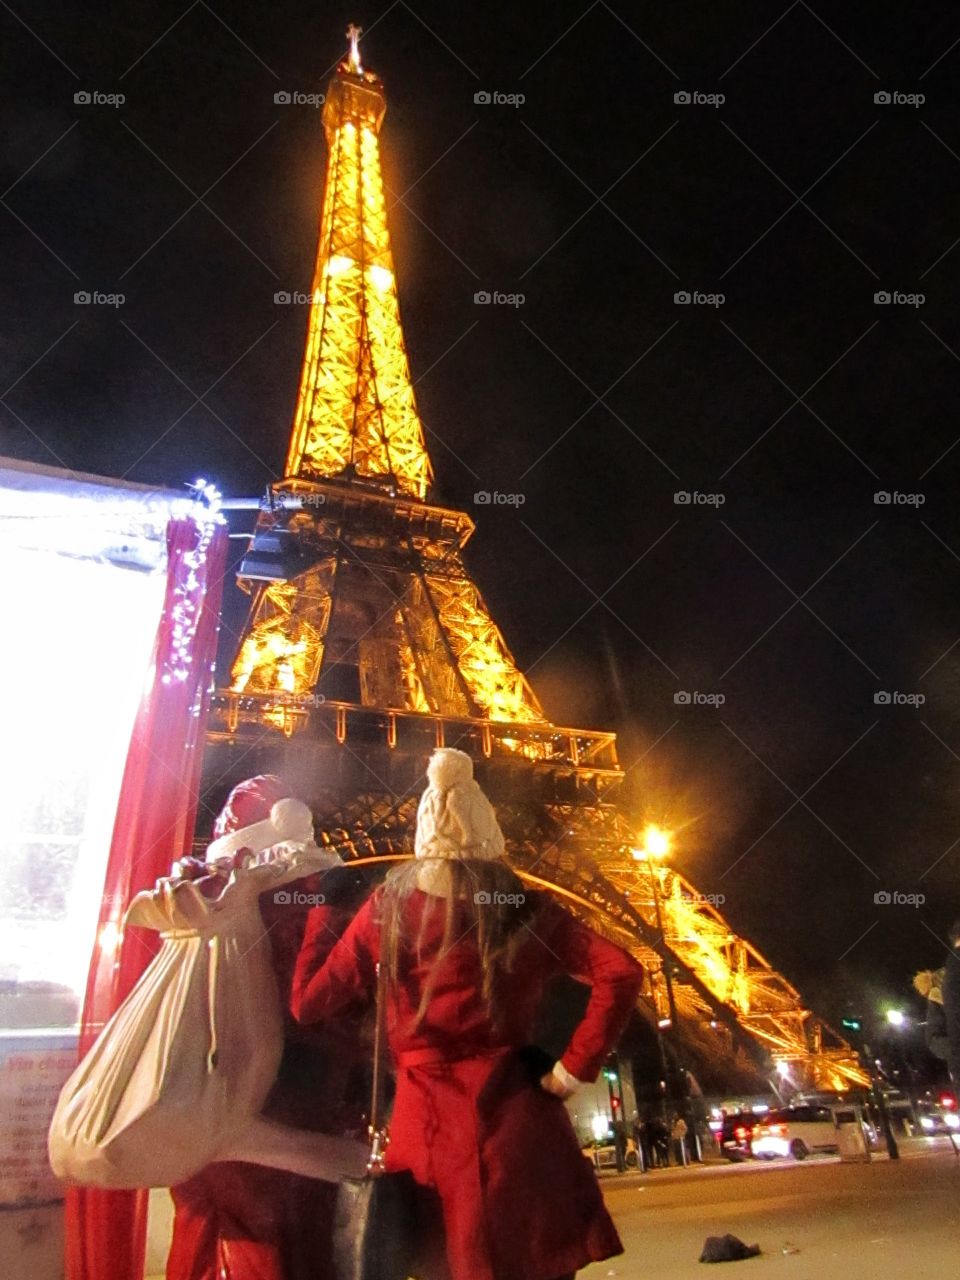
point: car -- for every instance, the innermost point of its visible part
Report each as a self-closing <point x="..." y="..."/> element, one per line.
<point x="795" y="1131"/>
<point x="603" y="1153"/>
<point x="736" y="1131"/>
<point x="937" y="1119"/>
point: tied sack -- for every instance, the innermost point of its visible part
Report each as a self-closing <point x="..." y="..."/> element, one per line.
<point x="178" y="1075"/>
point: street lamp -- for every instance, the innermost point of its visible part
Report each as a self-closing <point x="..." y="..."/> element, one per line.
<point x="656" y="846"/>
<point x="896" y="1017"/>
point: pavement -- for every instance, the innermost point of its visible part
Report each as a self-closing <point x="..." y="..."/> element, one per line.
<point x="816" y="1220"/>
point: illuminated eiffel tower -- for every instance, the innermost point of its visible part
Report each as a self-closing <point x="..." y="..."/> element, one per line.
<point x="368" y="644"/>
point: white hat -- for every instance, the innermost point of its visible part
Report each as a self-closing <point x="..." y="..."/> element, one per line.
<point x="259" y="814"/>
<point x="455" y="819"/>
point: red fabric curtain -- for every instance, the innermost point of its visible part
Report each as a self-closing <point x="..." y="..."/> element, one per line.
<point x="106" y="1230"/>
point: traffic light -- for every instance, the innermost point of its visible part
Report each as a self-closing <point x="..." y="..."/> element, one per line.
<point x="852" y="1024"/>
<point x="610" y="1074"/>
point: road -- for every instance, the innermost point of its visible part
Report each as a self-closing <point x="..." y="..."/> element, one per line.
<point x="818" y="1220"/>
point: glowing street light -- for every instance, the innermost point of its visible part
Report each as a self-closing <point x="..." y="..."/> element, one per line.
<point x="896" y="1017"/>
<point x="656" y="844"/>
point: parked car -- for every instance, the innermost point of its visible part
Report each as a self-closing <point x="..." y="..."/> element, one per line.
<point x="604" y="1154"/>
<point x="795" y="1131"/>
<point x="736" y="1131"/>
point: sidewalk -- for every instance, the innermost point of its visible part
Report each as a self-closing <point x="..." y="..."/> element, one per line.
<point x="817" y="1220"/>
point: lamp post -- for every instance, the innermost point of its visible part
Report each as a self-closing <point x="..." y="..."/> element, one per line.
<point x="656" y="846"/>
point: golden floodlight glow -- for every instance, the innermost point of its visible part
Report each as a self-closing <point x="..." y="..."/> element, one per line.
<point x="356" y="414"/>
<point x="656" y="843"/>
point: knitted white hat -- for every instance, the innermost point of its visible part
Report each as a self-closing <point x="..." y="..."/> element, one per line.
<point x="455" y="819"/>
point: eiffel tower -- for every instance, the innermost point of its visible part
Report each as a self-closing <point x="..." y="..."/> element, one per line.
<point x="368" y="644"/>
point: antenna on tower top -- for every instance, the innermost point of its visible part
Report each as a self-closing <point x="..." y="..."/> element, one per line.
<point x="353" y="57"/>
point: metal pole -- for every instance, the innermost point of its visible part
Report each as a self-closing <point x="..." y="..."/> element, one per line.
<point x="893" y="1151"/>
<point x="681" y="1082"/>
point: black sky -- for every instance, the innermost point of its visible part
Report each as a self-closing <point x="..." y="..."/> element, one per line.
<point x="598" y="198"/>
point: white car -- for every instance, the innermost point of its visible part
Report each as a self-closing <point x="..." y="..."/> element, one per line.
<point x="795" y="1131"/>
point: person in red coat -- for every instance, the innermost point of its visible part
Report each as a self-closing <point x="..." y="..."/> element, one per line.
<point x="477" y="1119"/>
<point x="239" y="1221"/>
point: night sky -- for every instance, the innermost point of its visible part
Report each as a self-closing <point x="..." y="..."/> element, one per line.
<point x="598" y="198"/>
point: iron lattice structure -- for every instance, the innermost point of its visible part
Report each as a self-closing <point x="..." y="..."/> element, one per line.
<point x="368" y="644"/>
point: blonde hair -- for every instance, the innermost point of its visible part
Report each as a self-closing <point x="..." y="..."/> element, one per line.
<point x="496" y="905"/>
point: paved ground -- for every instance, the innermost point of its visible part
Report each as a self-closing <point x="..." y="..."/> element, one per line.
<point x="819" y="1220"/>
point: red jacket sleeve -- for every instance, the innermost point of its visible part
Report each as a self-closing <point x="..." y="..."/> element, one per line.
<point x="615" y="979"/>
<point x="322" y="987"/>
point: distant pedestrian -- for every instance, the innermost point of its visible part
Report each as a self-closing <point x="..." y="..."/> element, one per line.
<point x="659" y="1138"/>
<point x="678" y="1135"/>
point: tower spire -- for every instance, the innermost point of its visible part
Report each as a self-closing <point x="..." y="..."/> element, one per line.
<point x="356" y="417"/>
<point x="353" y="57"/>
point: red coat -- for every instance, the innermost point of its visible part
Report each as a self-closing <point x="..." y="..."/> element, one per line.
<point x="470" y="1120"/>
<point x="235" y="1221"/>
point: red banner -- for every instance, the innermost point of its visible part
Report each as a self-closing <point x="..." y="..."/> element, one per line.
<point x="106" y="1230"/>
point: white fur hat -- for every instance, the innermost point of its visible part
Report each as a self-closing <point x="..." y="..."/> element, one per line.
<point x="455" y="819"/>
<point x="258" y="815"/>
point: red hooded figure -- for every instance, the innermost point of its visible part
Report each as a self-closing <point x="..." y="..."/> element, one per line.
<point x="236" y="1221"/>
<point x="477" y="1118"/>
